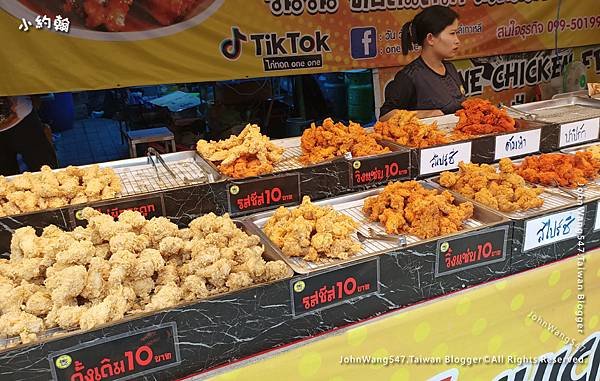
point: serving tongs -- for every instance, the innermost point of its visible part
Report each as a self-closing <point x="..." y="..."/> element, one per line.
<point x="373" y="235"/>
<point x="153" y="152"/>
<point x="526" y="115"/>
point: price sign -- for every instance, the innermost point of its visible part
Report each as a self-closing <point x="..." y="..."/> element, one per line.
<point x="444" y="158"/>
<point x="470" y="251"/>
<point x="597" y="222"/>
<point x="553" y="228"/>
<point x="517" y="144"/>
<point x="379" y="169"/>
<point x="579" y="132"/>
<point x="148" y="206"/>
<point x="326" y="289"/>
<point x="264" y="193"/>
<point x="120" y="357"/>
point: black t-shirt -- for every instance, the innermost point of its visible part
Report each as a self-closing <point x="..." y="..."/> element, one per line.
<point x="418" y="87"/>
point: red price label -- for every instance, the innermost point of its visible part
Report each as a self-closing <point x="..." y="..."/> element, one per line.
<point x="255" y="195"/>
<point x="380" y="169"/>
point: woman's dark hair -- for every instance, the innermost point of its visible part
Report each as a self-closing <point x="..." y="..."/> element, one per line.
<point x="432" y="20"/>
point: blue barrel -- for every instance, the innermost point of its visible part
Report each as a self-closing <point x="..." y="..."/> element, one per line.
<point x="333" y="87"/>
<point x="361" y="103"/>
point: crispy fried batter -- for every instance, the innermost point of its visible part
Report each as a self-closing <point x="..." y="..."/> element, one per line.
<point x="335" y="139"/>
<point x="30" y="192"/>
<point x="406" y="129"/>
<point x="480" y="117"/>
<point x="248" y="154"/>
<point x="559" y="169"/>
<point x="312" y="232"/>
<point x="505" y="190"/>
<point x="407" y="207"/>
<point x="97" y="274"/>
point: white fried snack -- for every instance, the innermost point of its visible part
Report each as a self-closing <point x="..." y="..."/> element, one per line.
<point x="313" y="232"/>
<point x="248" y="154"/>
<point x="30" y="192"/>
<point x="100" y="273"/>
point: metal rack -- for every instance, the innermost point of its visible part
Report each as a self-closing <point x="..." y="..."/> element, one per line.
<point x="351" y="205"/>
<point x="563" y="110"/>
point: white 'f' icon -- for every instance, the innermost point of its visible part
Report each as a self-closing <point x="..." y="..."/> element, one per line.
<point x="366" y="41"/>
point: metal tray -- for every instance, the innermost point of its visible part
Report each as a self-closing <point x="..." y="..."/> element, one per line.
<point x="351" y="205"/>
<point x="270" y="254"/>
<point x="553" y="201"/>
<point x="563" y="110"/>
<point x="290" y="159"/>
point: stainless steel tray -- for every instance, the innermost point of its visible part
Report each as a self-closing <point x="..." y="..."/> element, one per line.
<point x="290" y="160"/>
<point x="351" y="205"/>
<point x="270" y="254"/>
<point x="563" y="110"/>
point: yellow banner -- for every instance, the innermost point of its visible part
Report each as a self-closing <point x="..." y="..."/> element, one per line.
<point x="74" y="45"/>
<point x="543" y="322"/>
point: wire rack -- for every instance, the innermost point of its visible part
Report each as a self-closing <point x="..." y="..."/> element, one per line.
<point x="369" y="247"/>
<point x="566" y="114"/>
<point x="290" y="160"/>
<point x="142" y="179"/>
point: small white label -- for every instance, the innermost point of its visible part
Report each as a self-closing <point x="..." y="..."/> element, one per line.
<point x="579" y="132"/>
<point x="553" y="228"/>
<point x="444" y="158"/>
<point x="597" y="223"/>
<point x="517" y="144"/>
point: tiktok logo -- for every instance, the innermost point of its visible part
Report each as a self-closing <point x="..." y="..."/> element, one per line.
<point x="231" y="48"/>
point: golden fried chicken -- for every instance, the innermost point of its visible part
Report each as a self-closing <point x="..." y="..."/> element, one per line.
<point x="406" y="129"/>
<point x="558" y="169"/>
<point x="248" y="154"/>
<point x="595" y="151"/>
<point x="504" y="190"/>
<point x="312" y="232"/>
<point x="481" y="117"/>
<point x="335" y="139"/>
<point x="407" y="207"/>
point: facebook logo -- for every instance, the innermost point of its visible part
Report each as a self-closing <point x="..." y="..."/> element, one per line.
<point x="363" y="42"/>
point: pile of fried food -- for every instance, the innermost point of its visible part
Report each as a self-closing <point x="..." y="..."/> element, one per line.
<point x="335" y="139"/>
<point x="312" y="232"/>
<point x="505" y="190"/>
<point x="407" y="207"/>
<point x="248" y="154"/>
<point x="594" y="150"/>
<point x="47" y="189"/>
<point x="406" y="129"/>
<point x="100" y="273"/>
<point x="114" y="15"/>
<point x="480" y="117"/>
<point x="560" y="169"/>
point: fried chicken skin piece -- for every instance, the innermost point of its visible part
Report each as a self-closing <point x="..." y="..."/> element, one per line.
<point x="407" y="207"/>
<point x="335" y="139"/>
<point x="248" y="154"/>
<point x="558" y="169"/>
<point x="504" y="190"/>
<point x="312" y="232"/>
<point x="481" y="117"/>
<point x="406" y="129"/>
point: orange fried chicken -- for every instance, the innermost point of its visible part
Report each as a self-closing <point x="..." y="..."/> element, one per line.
<point x="335" y="139"/>
<point x="407" y="207"/>
<point x="406" y="129"/>
<point x="505" y="190"/>
<point x="559" y="169"/>
<point x="480" y="117"/>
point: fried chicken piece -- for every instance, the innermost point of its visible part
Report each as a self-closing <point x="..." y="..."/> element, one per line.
<point x="167" y="295"/>
<point x="406" y="129"/>
<point x="249" y="151"/>
<point x="78" y="253"/>
<point x="481" y="117"/>
<point x="335" y="139"/>
<point x="168" y="12"/>
<point x="66" y="284"/>
<point x="129" y="241"/>
<point x="110" y="14"/>
<point x="407" y="207"/>
<point x="96" y="284"/>
<point x="158" y="228"/>
<point x="194" y="287"/>
<point x="558" y="169"/>
<point x="19" y="323"/>
<point x="312" y="232"/>
<point x="136" y="220"/>
<point x="171" y="246"/>
<point x="39" y="303"/>
<point x="505" y="190"/>
<point x="65" y="316"/>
